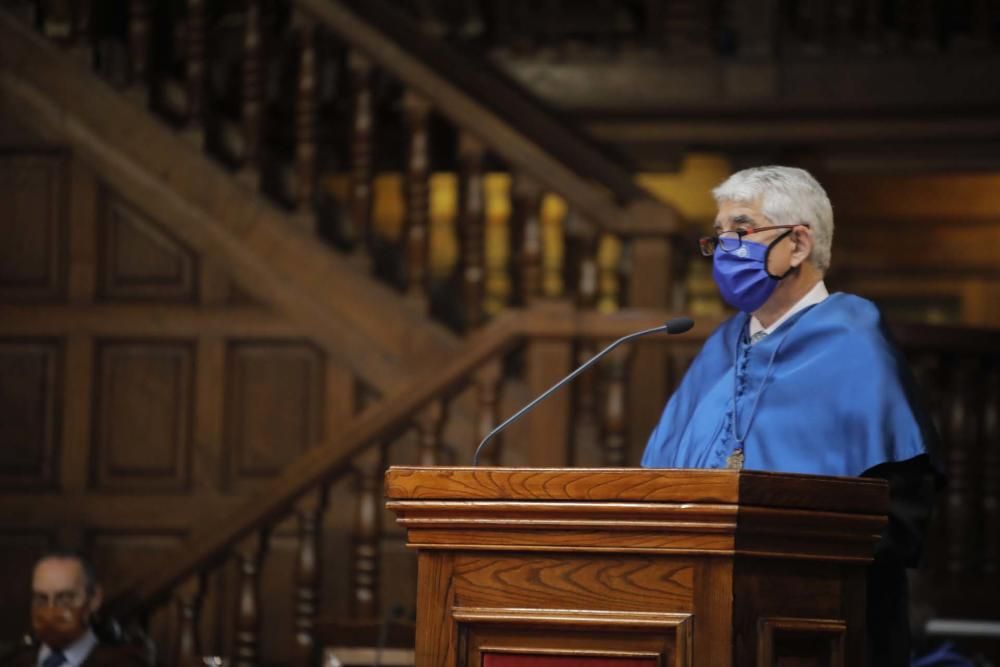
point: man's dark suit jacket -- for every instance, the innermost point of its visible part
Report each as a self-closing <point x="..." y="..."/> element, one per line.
<point x="103" y="655"/>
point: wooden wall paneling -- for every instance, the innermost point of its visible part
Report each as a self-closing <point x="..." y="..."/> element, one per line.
<point x="341" y="398"/>
<point x="207" y="470"/>
<point x="651" y="266"/>
<point x="20" y="550"/>
<point x="143" y="415"/>
<point x="83" y="217"/>
<point x="214" y="285"/>
<point x="274" y="401"/>
<point x="32" y="255"/>
<point x="139" y="259"/>
<point x="77" y="420"/>
<point x="544" y="432"/>
<point x="30" y="412"/>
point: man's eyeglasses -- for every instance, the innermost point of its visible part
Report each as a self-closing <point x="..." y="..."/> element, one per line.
<point x="62" y="600"/>
<point x="731" y="241"/>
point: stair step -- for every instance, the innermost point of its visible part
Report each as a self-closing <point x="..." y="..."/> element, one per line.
<point x="359" y="656"/>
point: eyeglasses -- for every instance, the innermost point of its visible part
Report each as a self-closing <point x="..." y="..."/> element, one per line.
<point x="62" y="600"/>
<point x="731" y="241"/>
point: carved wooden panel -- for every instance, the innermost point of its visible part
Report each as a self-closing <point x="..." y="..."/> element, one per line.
<point x="29" y="413"/>
<point x="139" y="259"/>
<point x="273" y="407"/>
<point x="33" y="191"/>
<point x="20" y="550"/>
<point x="143" y="415"/>
<point x="800" y="642"/>
<point x="561" y="637"/>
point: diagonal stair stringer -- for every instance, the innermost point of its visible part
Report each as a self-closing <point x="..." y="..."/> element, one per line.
<point x="369" y="328"/>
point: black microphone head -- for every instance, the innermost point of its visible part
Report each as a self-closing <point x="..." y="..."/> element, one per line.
<point x="676" y="325"/>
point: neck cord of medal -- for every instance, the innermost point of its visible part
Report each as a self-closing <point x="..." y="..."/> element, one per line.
<point x="763" y="383"/>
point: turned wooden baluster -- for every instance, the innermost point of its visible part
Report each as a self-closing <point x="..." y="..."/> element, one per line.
<point x="609" y="275"/>
<point x="305" y="113"/>
<point x="362" y="150"/>
<point x="253" y="90"/>
<point x="581" y="257"/>
<point x="815" y="26"/>
<point x="924" y="26"/>
<point x="958" y="430"/>
<point x="984" y="16"/>
<point x="556" y="244"/>
<point x="526" y="240"/>
<point x="430" y="424"/>
<point x="195" y="63"/>
<point x="415" y="231"/>
<point x="58" y="22"/>
<point x="187" y="601"/>
<point x="138" y="41"/>
<point x="990" y="439"/>
<point x="487" y="380"/>
<point x="249" y="555"/>
<point x="871" y="26"/>
<point x="614" y="398"/>
<point x="367" y="530"/>
<point x="472" y="220"/>
<point x="307" y="577"/>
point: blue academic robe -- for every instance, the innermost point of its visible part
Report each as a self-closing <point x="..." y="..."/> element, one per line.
<point x="826" y="393"/>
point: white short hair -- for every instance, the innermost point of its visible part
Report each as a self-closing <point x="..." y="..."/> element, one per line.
<point x="787" y="196"/>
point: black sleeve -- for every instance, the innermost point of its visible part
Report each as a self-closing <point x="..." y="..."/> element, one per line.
<point x="912" y="486"/>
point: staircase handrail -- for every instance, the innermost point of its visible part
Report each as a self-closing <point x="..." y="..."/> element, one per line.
<point x="211" y="542"/>
<point x="481" y="101"/>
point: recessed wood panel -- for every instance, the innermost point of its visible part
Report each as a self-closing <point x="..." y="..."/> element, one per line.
<point x="20" y="550"/>
<point x="29" y="412"/>
<point x="274" y="406"/>
<point x="32" y="229"/>
<point x="143" y="415"/>
<point x="140" y="259"/>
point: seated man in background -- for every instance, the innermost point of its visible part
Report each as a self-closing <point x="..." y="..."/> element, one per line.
<point x="803" y="381"/>
<point x="65" y="596"/>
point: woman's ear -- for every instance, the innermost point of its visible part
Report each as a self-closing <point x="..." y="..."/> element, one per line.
<point x="803" y="245"/>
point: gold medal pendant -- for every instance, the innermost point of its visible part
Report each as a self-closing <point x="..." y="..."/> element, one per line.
<point x="735" y="460"/>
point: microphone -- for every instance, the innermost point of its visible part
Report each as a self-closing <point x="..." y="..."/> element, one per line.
<point x="674" y="325"/>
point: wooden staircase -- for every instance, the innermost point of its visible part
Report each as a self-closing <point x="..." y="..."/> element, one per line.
<point x="250" y="191"/>
<point x="241" y="172"/>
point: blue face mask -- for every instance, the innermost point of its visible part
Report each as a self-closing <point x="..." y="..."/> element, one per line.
<point x="742" y="274"/>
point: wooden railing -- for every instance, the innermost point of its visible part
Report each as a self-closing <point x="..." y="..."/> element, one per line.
<point x="959" y="370"/>
<point x="686" y="28"/>
<point x="299" y="492"/>
<point x="309" y="101"/>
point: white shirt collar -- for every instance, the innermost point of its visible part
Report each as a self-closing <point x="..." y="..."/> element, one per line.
<point x="75" y="653"/>
<point x="817" y="294"/>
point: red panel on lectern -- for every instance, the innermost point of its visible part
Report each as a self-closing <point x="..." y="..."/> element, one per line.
<point x="527" y="660"/>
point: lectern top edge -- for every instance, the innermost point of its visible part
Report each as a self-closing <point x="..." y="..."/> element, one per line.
<point x="744" y="488"/>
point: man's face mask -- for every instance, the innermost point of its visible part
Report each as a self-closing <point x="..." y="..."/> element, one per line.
<point x="742" y="274"/>
<point x="61" y="622"/>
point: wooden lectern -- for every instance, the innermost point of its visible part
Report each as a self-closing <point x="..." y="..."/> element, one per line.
<point x="637" y="568"/>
